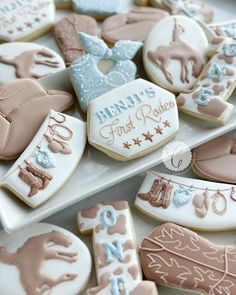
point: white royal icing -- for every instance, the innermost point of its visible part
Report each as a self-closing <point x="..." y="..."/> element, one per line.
<point x="173" y="44"/>
<point x="21" y="18"/>
<point x="133" y="119"/>
<point x="192" y="203"/>
<point x="10" y="276"/>
<point x="56" y="154"/>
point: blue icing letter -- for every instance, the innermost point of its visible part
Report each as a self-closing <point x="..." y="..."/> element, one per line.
<point x="108" y="218"/>
<point x="217" y="72"/>
<point x="203" y="96"/>
<point x="45" y="159"/>
<point x="230" y="50"/>
<point x="113" y="251"/>
<point x="231" y="31"/>
<point x="182" y="196"/>
<point x="117" y="284"/>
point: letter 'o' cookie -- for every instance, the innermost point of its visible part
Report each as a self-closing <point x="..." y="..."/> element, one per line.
<point x="174" y="53"/>
<point x="43" y="259"/>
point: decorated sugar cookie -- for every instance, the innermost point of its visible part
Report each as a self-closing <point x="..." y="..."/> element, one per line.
<point x="135" y="25"/>
<point x="48" y="161"/>
<point x="43" y="259"/>
<point x="179" y="258"/>
<point x="26" y="19"/>
<point x="132" y="120"/>
<point x="27" y="60"/>
<point x="225" y="29"/>
<point x="174" y="53"/>
<point x="205" y="205"/>
<point x="207" y="100"/>
<point x="102" y="69"/>
<point x="99" y="9"/>
<point x="24" y="105"/>
<point x="116" y="259"/>
<point x="66" y="32"/>
<point x="63" y="4"/>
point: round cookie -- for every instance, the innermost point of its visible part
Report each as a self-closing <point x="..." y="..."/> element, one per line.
<point x="28" y="60"/>
<point x="174" y="53"/>
<point x="26" y="19"/>
<point x="43" y="259"/>
<point x="63" y="4"/>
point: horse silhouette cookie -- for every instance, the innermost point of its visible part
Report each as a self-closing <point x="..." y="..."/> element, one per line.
<point x="48" y="161"/>
<point x="24" y="105"/>
<point x="174" y="53"/>
<point x="27" y="60"/>
<point x="43" y="259"/>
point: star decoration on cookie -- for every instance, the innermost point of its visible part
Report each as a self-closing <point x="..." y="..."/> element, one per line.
<point x="166" y="123"/>
<point x="148" y="136"/>
<point x="127" y="145"/>
<point x="137" y="141"/>
<point x="158" y="130"/>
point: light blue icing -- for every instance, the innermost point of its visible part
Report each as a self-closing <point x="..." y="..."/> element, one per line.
<point x="108" y="218"/>
<point x="45" y="159"/>
<point x="231" y="31"/>
<point x="217" y="72"/>
<point x="117" y="284"/>
<point x="113" y="251"/>
<point x="230" y="50"/>
<point x="182" y="196"/>
<point x="89" y="82"/>
<point x="204" y="96"/>
<point x="97" y="7"/>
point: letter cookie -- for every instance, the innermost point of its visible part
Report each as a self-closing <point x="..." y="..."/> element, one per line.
<point x="134" y="26"/>
<point x="27" y="60"/>
<point x="116" y="258"/>
<point x="43" y="259"/>
<point x="174" y="53"/>
<point x="207" y="100"/>
<point x="225" y="29"/>
<point x="66" y="33"/>
<point x="24" y="105"/>
<point x="25" y="20"/>
<point x="63" y="4"/>
<point x="91" y="79"/>
<point x="48" y="161"/>
<point x="132" y="120"/>
<point x="205" y="205"/>
<point x="179" y="258"/>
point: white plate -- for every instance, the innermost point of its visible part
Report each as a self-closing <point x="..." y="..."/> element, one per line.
<point x="96" y="171"/>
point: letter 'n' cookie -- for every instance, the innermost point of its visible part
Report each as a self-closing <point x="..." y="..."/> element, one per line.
<point x="116" y="257"/>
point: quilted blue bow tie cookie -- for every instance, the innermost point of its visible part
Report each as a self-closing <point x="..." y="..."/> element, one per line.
<point x="88" y="81"/>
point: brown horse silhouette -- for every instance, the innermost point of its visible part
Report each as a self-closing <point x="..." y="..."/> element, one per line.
<point x="30" y="257"/>
<point x="179" y="50"/>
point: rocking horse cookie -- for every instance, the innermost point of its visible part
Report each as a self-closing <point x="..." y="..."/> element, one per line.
<point x="102" y="69"/>
<point x="48" y="161"/>
<point x="27" y="60"/>
<point x="43" y="259"/>
<point x="205" y="205"/>
<point x="174" y="53"/>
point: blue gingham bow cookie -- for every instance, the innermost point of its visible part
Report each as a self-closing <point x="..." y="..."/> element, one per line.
<point x="122" y="50"/>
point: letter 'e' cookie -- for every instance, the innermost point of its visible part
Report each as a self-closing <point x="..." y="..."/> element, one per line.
<point x="174" y="53"/>
<point x="132" y="120"/>
<point x="43" y="259"/>
<point x="116" y="258"/>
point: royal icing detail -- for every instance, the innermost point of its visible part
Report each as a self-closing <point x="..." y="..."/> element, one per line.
<point x="43" y="258"/>
<point x="18" y="123"/>
<point x="28" y="60"/>
<point x="22" y="20"/>
<point x="89" y="81"/>
<point x="204" y="205"/>
<point x="101" y="8"/>
<point x="174" y="53"/>
<point x="66" y="31"/>
<point x="116" y="259"/>
<point x="42" y="169"/>
<point x="132" y="120"/>
<point x="177" y="257"/>
<point x="225" y="29"/>
<point x="216" y="83"/>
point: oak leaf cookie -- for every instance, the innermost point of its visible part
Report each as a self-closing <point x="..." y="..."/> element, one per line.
<point x="43" y="259"/>
<point x="174" y="53"/>
<point x="27" y="60"/>
<point x="24" y="105"/>
<point x="205" y="205"/>
<point x="63" y="4"/>
<point x="66" y="32"/>
<point x="179" y="258"/>
<point x="133" y="120"/>
<point x="134" y="25"/>
<point x="102" y="69"/>
<point x="116" y="258"/>
<point x="48" y="161"/>
<point x="26" y="19"/>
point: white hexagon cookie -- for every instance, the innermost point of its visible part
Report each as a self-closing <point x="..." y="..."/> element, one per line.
<point x="132" y="120"/>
